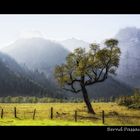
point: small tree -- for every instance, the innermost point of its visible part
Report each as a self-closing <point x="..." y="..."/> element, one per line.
<point x="8" y="99"/>
<point x="83" y="68"/>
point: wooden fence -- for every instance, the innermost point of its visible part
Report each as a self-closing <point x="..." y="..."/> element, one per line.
<point x="76" y="114"/>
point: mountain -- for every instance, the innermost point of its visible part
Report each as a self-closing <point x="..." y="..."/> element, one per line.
<point x="16" y="80"/>
<point x="41" y="56"/>
<point x="129" y="43"/>
<point x="12" y="83"/>
<point x="37" y="53"/>
<point x="74" y="43"/>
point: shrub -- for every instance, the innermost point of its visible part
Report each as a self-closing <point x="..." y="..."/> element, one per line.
<point x="130" y="101"/>
<point x="134" y="106"/>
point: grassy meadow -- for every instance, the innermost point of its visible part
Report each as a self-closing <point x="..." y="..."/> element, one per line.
<point x="63" y="115"/>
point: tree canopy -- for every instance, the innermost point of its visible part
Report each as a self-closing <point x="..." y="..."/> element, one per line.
<point x="93" y="65"/>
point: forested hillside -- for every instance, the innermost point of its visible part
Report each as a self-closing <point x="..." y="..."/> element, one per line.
<point x="16" y="80"/>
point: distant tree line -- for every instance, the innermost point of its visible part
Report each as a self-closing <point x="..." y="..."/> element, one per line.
<point x="21" y="99"/>
<point x="33" y="99"/>
<point x="104" y="99"/>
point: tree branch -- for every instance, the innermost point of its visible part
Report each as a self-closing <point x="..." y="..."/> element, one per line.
<point x="100" y="73"/>
<point x="97" y="80"/>
<point x="95" y="73"/>
<point x="89" y="75"/>
<point x="71" y="83"/>
<point x="72" y="90"/>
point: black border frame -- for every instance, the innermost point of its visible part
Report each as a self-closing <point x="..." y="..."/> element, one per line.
<point x="65" y="7"/>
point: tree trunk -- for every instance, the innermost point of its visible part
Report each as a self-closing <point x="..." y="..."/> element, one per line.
<point x="87" y="101"/>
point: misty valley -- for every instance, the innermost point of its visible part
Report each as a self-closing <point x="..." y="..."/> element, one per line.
<point x="27" y="68"/>
<point x="34" y="71"/>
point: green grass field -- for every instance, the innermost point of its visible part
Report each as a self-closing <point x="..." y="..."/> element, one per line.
<point x="64" y="115"/>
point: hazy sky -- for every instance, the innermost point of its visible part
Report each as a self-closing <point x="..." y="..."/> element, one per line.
<point x="59" y="27"/>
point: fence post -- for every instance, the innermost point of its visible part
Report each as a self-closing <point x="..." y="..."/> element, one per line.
<point x="103" y="117"/>
<point x="15" y="112"/>
<point x="75" y="116"/>
<point x="1" y="113"/>
<point x="34" y="114"/>
<point x="51" y="112"/>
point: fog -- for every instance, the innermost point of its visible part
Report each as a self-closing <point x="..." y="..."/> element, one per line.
<point x="60" y="27"/>
<point x="34" y="44"/>
<point x="26" y="38"/>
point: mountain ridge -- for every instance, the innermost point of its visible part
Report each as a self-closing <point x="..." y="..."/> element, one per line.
<point x="129" y="43"/>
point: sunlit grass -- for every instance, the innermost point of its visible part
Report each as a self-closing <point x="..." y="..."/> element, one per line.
<point x="64" y="114"/>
